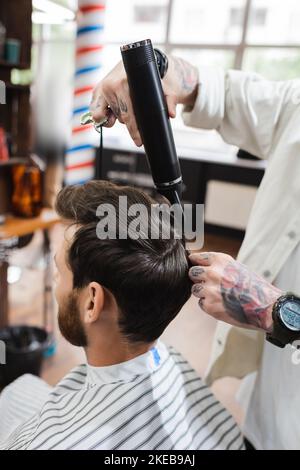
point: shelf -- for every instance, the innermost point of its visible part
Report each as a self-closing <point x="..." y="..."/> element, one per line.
<point x="15" y="15"/>
<point x="8" y="65"/>
<point x="21" y="226"/>
<point x="10" y="86"/>
<point x="13" y="161"/>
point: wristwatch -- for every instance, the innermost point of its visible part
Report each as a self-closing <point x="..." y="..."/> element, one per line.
<point x="286" y="320"/>
<point x="162" y="62"/>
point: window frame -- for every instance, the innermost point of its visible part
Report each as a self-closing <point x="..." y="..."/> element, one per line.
<point x="238" y="49"/>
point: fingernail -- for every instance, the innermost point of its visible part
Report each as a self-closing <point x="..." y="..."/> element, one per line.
<point x="196" y="289"/>
<point x="196" y="271"/>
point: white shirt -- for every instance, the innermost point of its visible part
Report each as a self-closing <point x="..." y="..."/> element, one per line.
<point x="154" y="401"/>
<point x="262" y="117"/>
<point x="272" y="419"/>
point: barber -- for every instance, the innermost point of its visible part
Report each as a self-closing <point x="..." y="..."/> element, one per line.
<point x="263" y="118"/>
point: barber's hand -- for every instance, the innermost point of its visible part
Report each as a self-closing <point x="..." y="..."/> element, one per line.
<point x="111" y="97"/>
<point x="230" y="292"/>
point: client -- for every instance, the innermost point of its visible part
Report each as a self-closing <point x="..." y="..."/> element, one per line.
<point x="116" y="296"/>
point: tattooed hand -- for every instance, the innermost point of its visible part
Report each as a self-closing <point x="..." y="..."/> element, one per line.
<point x="230" y="292"/>
<point x="111" y="97"/>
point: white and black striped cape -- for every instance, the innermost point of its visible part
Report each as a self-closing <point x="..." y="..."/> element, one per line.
<point x="155" y="401"/>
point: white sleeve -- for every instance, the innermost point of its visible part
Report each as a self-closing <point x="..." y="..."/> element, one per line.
<point x="247" y="110"/>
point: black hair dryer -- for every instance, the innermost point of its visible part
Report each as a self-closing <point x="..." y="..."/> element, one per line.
<point x="151" y="112"/>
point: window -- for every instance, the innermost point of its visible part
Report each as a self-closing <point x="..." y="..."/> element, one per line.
<point x="206" y="21"/>
<point x="258" y="17"/>
<point x="273" y="39"/>
<point x="275" y="64"/>
<point x="149" y="13"/>
<point x="280" y="21"/>
<point x="132" y="20"/>
<point x="258" y="35"/>
<point x="236" y="17"/>
<point x="254" y="35"/>
<point x="209" y="57"/>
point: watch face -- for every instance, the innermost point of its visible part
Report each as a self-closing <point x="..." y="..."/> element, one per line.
<point x="290" y="314"/>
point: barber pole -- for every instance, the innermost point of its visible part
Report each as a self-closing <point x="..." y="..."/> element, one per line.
<point x="80" y="154"/>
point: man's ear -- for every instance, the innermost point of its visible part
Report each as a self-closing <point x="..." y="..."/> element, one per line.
<point x="93" y="302"/>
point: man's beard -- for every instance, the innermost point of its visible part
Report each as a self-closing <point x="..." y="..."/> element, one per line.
<point x="69" y="322"/>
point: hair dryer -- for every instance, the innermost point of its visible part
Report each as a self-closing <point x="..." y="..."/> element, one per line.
<point x="152" y="117"/>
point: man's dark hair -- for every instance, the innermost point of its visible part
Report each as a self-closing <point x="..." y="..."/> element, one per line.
<point x="148" y="277"/>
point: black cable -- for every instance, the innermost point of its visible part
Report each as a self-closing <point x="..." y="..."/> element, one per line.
<point x="99" y="157"/>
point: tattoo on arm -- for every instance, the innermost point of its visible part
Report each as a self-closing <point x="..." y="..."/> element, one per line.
<point x="187" y="73"/>
<point x="246" y="297"/>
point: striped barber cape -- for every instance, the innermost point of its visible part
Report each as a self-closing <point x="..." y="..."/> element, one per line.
<point x="154" y="401"/>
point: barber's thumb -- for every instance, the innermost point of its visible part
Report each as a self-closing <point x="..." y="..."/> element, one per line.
<point x="171" y="103"/>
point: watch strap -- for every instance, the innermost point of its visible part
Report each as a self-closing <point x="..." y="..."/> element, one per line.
<point x="162" y="62"/>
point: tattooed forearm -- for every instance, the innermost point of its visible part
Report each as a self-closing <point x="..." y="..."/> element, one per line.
<point x="246" y="297"/>
<point x="188" y="76"/>
<point x="187" y="73"/>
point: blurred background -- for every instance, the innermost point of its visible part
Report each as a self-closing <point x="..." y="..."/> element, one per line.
<point x="52" y="54"/>
<point x="254" y="35"/>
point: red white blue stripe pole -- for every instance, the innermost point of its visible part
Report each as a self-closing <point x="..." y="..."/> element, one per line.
<point x="80" y="154"/>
